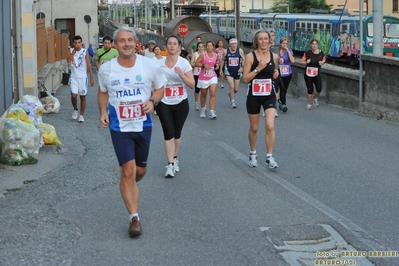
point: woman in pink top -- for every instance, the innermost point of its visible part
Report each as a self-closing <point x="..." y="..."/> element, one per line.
<point x="220" y="51"/>
<point x="207" y="78"/>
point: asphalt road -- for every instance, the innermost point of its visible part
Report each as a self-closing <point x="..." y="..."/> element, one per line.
<point x="336" y="168"/>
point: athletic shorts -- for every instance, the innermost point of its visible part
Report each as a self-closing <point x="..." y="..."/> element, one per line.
<point x="254" y="103"/>
<point x="204" y="84"/>
<point x="132" y="146"/>
<point x="234" y="75"/>
<point x="79" y="86"/>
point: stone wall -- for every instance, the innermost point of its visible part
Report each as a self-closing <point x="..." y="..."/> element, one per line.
<point x="380" y="96"/>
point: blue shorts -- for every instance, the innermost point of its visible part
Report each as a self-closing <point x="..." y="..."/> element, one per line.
<point x="132" y="146"/>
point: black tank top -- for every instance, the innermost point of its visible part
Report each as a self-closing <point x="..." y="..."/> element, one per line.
<point x="267" y="72"/>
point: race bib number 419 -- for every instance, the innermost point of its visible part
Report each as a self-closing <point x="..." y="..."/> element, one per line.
<point x="132" y="112"/>
<point x="261" y="87"/>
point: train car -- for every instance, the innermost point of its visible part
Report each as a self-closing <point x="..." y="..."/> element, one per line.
<point x="339" y="35"/>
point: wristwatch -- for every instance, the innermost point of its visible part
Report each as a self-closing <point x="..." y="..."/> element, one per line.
<point x="256" y="70"/>
<point x="154" y="102"/>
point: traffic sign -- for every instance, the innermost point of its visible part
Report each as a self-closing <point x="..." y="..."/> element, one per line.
<point x="183" y="30"/>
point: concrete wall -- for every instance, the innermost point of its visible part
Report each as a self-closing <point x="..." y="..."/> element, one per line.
<point x="380" y="97"/>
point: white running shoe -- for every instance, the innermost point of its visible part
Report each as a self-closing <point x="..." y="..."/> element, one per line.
<point x="233" y="104"/>
<point x="176" y="164"/>
<point x="170" y="170"/>
<point x="212" y="114"/>
<point x="253" y="162"/>
<point x="263" y="113"/>
<point x="202" y="113"/>
<point x="196" y="106"/>
<point x="271" y="162"/>
<point x="316" y="102"/>
<point x="308" y="106"/>
<point x="75" y="114"/>
<point x="81" y="119"/>
<point x="276" y="113"/>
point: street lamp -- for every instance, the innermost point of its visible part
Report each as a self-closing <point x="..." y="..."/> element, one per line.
<point x="209" y="5"/>
<point x="163" y="3"/>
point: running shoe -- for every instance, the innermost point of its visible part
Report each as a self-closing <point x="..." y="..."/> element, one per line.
<point x="233" y="104"/>
<point x="285" y="108"/>
<point x="170" y="171"/>
<point x="316" y="102"/>
<point x="176" y="164"/>
<point x="276" y="113"/>
<point x="196" y="106"/>
<point x="202" y="114"/>
<point x="280" y="105"/>
<point x="81" y="119"/>
<point x="308" y="106"/>
<point x="271" y="162"/>
<point x="212" y="114"/>
<point x="253" y="162"/>
<point x="263" y="113"/>
<point x="75" y="114"/>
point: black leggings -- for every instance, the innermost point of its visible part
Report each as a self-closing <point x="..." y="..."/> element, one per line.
<point x="172" y="118"/>
<point x="284" y="83"/>
<point x="197" y="90"/>
<point x="313" y="80"/>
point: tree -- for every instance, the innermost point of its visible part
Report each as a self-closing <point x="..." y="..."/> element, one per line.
<point x="298" y="6"/>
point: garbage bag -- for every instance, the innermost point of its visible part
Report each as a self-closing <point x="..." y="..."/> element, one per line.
<point x="19" y="113"/>
<point x="20" y="142"/>
<point x="50" y="104"/>
<point x="49" y="135"/>
<point x="36" y="101"/>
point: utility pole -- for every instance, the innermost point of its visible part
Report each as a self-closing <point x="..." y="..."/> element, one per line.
<point x="238" y="24"/>
<point x="378" y="28"/>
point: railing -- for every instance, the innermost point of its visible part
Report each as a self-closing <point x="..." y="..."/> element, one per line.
<point x="51" y="44"/>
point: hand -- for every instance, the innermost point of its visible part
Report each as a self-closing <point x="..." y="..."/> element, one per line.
<point x="262" y="64"/>
<point x="148" y="107"/>
<point x="308" y="61"/>
<point x="216" y="67"/>
<point x="178" y="71"/>
<point x="281" y="61"/>
<point x="321" y="63"/>
<point x="91" y="81"/>
<point x="275" y="74"/>
<point x="104" y="120"/>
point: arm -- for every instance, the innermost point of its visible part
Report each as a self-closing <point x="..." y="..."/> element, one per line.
<point x="157" y="96"/>
<point x="304" y="60"/>
<point x="198" y="63"/>
<point x="323" y="60"/>
<point x="222" y="62"/>
<point x="192" y="61"/>
<point x="291" y="56"/>
<point x="102" y="105"/>
<point x="248" y="75"/>
<point x="242" y="61"/>
<point x="188" y="78"/>
<point x="89" y="69"/>
<point x="70" y="55"/>
<point x="275" y="72"/>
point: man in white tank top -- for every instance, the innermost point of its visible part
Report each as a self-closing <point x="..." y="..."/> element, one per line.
<point x="79" y="60"/>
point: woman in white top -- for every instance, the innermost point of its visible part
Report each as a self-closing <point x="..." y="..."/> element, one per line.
<point x="173" y="108"/>
<point x="196" y="70"/>
<point x="157" y="52"/>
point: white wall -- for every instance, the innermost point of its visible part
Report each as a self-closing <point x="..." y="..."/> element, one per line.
<point x="246" y="5"/>
<point x="72" y="9"/>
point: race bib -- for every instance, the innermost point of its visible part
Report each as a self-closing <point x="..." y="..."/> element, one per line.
<point x="284" y="69"/>
<point x="209" y="72"/>
<point x="261" y="87"/>
<point x="132" y="112"/>
<point x="174" y="91"/>
<point x="312" y="71"/>
<point x="234" y="61"/>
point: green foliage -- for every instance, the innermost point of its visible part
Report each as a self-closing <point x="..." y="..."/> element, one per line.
<point x="298" y="6"/>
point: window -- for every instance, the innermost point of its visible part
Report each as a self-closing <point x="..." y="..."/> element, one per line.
<point x="395" y="6"/>
<point x="391" y="30"/>
<point x="370" y="29"/>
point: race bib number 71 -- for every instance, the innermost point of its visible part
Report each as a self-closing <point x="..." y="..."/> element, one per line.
<point x="261" y="87"/>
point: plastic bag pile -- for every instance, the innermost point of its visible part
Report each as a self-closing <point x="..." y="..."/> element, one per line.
<point x="23" y="133"/>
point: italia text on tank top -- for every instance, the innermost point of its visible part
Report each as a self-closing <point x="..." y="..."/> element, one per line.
<point x="207" y="74"/>
<point x="233" y="61"/>
<point x="313" y="68"/>
<point x="262" y="84"/>
<point x="78" y="64"/>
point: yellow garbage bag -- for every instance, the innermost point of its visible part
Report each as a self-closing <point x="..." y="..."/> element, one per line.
<point x="49" y="135"/>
